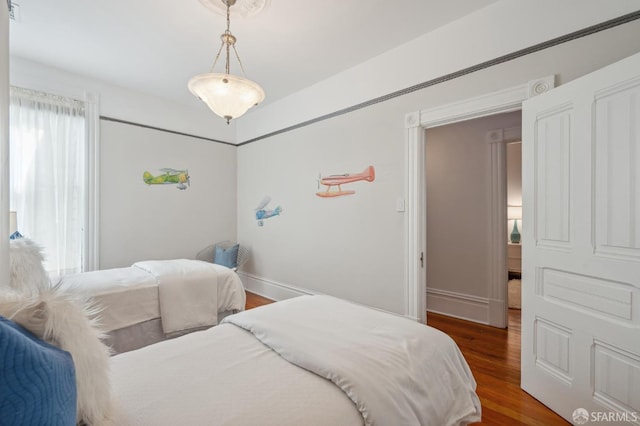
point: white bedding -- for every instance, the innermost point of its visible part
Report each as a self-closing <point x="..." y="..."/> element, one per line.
<point x="393" y="370"/>
<point x="130" y="295"/>
<point x="127" y="295"/>
<point x="187" y="290"/>
<point x="221" y="376"/>
<point x="388" y="368"/>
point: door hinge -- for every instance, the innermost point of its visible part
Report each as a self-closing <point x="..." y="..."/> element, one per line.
<point x="422" y="259"/>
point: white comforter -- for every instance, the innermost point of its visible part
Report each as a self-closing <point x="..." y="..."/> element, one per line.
<point x="388" y="371"/>
<point x="130" y="295"/>
<point x="222" y="376"/>
<point x="188" y="292"/>
<point x="384" y="363"/>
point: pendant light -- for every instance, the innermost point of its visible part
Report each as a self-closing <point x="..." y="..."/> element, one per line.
<point x="228" y="95"/>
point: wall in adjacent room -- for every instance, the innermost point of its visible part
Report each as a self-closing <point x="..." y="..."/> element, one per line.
<point x="514" y="179"/>
<point x="514" y="173"/>
<point x="353" y="246"/>
<point x="459" y="240"/>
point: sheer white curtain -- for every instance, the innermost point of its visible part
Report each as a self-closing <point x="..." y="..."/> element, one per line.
<point x="48" y="175"/>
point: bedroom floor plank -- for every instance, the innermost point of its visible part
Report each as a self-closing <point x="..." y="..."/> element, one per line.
<point x="494" y="357"/>
<point x="254" y="300"/>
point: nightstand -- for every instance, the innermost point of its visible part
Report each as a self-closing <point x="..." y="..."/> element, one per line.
<point x="514" y="258"/>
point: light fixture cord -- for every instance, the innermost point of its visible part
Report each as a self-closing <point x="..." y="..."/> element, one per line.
<point x="228" y="33"/>
<point x="226" y="43"/>
<point x="239" y="61"/>
<point x="215" y="61"/>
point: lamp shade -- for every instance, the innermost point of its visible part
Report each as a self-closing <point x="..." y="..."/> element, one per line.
<point x="13" y="222"/>
<point x="514" y="212"/>
<point x="227" y="95"/>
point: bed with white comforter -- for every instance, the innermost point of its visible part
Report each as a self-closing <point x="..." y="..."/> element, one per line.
<point x="152" y="300"/>
<point x="312" y="360"/>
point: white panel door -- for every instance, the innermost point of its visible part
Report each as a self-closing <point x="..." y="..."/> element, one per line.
<point x="581" y="245"/>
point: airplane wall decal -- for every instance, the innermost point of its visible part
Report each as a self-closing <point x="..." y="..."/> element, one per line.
<point x="170" y="176"/>
<point x="331" y="181"/>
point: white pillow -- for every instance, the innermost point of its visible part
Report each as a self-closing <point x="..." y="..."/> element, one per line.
<point x="68" y="323"/>
<point x="26" y="273"/>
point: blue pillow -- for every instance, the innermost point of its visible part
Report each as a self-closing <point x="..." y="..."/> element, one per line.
<point x="37" y="380"/>
<point x="228" y="257"/>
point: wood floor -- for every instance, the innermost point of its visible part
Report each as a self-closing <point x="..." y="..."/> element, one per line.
<point x="494" y="357"/>
<point x="253" y="301"/>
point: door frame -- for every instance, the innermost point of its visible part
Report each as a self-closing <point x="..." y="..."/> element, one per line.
<point x="4" y="146"/>
<point x="416" y="123"/>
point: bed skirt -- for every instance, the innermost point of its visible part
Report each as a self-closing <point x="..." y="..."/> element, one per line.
<point x="145" y="333"/>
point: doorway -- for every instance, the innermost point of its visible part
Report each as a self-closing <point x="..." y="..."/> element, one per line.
<point x="514" y="224"/>
<point x="415" y="123"/>
<point x="466" y="186"/>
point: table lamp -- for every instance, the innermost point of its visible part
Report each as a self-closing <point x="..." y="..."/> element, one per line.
<point x="514" y="213"/>
<point x="13" y="226"/>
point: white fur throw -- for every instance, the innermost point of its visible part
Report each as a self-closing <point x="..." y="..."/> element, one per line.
<point x="26" y="273"/>
<point x="68" y="323"/>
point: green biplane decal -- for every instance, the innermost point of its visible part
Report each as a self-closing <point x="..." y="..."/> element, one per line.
<point x="170" y="176"/>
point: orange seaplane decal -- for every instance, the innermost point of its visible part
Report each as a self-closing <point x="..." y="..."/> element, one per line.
<point x="331" y="181"/>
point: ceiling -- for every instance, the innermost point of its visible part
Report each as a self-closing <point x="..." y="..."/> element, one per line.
<point x="156" y="46"/>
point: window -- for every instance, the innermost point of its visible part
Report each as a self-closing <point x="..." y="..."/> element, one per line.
<point x="49" y="176"/>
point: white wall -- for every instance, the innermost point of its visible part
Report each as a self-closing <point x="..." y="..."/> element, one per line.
<point x="501" y="28"/>
<point x="140" y="221"/>
<point x="4" y="146"/>
<point x="137" y="222"/>
<point x="353" y="247"/>
<point x="120" y="103"/>
<point x="327" y="245"/>
<point x="458" y="169"/>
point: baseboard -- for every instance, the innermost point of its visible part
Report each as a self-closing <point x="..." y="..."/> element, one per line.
<point x="458" y="305"/>
<point x="498" y="313"/>
<point x="269" y="288"/>
<point x="278" y="291"/>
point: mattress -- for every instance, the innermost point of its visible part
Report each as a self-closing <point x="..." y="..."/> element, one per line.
<point x="222" y="376"/>
<point x="279" y="365"/>
<point x="129" y="296"/>
<point x="126" y="296"/>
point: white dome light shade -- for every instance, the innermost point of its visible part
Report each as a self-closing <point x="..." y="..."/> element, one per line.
<point x="229" y="96"/>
